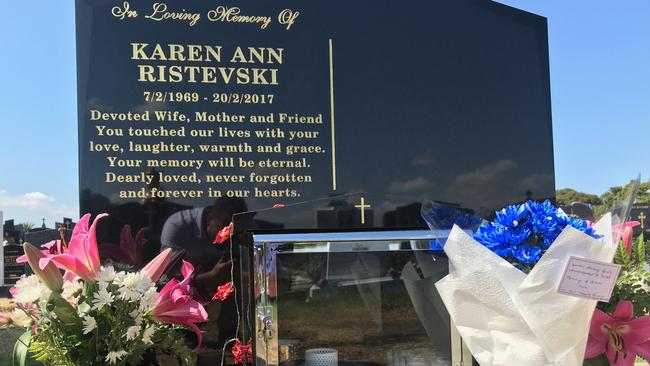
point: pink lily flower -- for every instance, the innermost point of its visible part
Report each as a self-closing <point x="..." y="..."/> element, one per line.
<point x="82" y="254"/>
<point x="52" y="247"/>
<point x="158" y="265"/>
<point x="626" y="235"/>
<point x="130" y="250"/>
<point x="619" y="337"/>
<point x="48" y="274"/>
<point x="175" y="306"/>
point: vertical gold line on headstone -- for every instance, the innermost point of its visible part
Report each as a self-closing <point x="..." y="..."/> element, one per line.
<point x="332" y="116"/>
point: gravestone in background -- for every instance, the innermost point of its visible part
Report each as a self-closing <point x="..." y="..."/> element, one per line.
<point x="641" y="212"/>
<point x="280" y="103"/>
<point x="12" y="270"/>
<point x="2" y="253"/>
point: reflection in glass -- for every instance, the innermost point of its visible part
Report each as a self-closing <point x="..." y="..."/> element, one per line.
<point x="373" y="302"/>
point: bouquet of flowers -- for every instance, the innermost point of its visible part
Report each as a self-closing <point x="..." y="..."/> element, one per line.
<point x="95" y="315"/>
<point x="501" y="291"/>
<point x="620" y="329"/>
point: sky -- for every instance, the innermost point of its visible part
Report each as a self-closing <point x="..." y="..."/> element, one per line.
<point x="600" y="87"/>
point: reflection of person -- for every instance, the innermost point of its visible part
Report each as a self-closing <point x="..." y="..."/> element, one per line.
<point x="194" y="231"/>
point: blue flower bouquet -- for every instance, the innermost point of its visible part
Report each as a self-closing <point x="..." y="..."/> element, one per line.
<point x="501" y="290"/>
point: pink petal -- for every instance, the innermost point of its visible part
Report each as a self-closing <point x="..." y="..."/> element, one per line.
<point x="158" y="265"/>
<point x="639" y="331"/>
<point x="23" y="258"/>
<point x="624" y="310"/>
<point x="92" y="250"/>
<point x="597" y="341"/>
<point x="642" y="349"/>
<point x="597" y="320"/>
<point x="126" y="239"/>
<point x="140" y="239"/>
<point x="48" y="274"/>
<point x="625" y="360"/>
<point x="176" y="313"/>
<point x="169" y="286"/>
<point x="188" y="271"/>
<point x="51" y="244"/>
<point x="77" y="246"/>
<point x="632" y="224"/>
<point x="626" y="237"/>
<point x="615" y="358"/>
<point x="197" y="331"/>
<point x="70" y="263"/>
<point x="70" y="277"/>
<point x="81" y="227"/>
<point x="595" y="347"/>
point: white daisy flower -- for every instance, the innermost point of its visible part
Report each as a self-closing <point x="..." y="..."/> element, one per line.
<point x="119" y="277"/>
<point x="132" y="332"/>
<point x="69" y="288"/>
<point x="148" y="299"/>
<point x="113" y="357"/>
<point x="89" y="324"/>
<point x="148" y="334"/>
<point x="133" y="285"/>
<point x="30" y="290"/>
<point x="102" y="298"/>
<point x="21" y="318"/>
<point x="106" y="274"/>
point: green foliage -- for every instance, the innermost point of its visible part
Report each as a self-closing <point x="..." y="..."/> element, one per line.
<point x="600" y="360"/>
<point x="633" y="283"/>
<point x="26" y="226"/>
<point x="618" y="193"/>
<point x="20" y="356"/>
<point x="568" y="196"/>
<point x="20" y="349"/>
<point x="621" y="257"/>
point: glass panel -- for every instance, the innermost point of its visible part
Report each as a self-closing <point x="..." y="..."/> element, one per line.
<point x="375" y="303"/>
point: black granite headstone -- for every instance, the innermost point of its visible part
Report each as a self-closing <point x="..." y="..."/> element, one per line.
<point x="349" y="114"/>
<point x="641" y="212"/>
<point x="13" y="270"/>
<point x="182" y="102"/>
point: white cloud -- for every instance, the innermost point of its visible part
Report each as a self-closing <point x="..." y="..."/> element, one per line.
<point x="32" y="206"/>
<point x="492" y="183"/>
<point x="412" y="186"/>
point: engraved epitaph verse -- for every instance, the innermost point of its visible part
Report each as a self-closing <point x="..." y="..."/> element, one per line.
<point x="209" y="119"/>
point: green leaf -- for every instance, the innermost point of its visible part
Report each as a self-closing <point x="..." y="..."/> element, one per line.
<point x="20" y="349"/>
<point x="597" y="361"/>
<point x="622" y="257"/>
<point x="65" y="313"/>
<point x="639" y="250"/>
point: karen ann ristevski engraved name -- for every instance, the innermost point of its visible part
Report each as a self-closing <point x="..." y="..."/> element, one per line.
<point x="196" y="64"/>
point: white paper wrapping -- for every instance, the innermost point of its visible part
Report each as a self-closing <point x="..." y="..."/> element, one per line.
<point x="509" y="318"/>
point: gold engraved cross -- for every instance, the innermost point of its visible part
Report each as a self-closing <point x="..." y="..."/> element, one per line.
<point x="362" y="206"/>
<point x="642" y="217"/>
